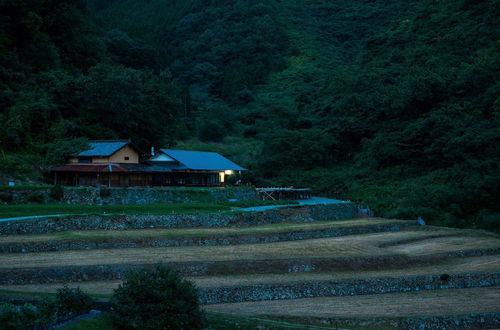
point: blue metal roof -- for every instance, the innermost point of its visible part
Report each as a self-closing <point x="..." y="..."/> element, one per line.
<point x="200" y="160"/>
<point x="103" y="148"/>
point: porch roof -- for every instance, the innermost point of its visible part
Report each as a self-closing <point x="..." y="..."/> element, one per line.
<point x="92" y="168"/>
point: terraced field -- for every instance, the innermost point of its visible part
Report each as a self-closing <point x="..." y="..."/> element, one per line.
<point x="308" y="272"/>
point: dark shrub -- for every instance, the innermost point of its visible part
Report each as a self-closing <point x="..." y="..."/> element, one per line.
<point x="444" y="277"/>
<point x="17" y="317"/>
<point x="157" y="299"/>
<point x="6" y="197"/>
<point x="57" y="193"/>
<point x="36" y="198"/>
<point x="103" y="192"/>
<point x="72" y="301"/>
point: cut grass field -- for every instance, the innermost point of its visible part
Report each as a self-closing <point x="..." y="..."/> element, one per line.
<point x="104" y="289"/>
<point x="415" y="251"/>
<point x="186" y="232"/>
<point x="24" y="210"/>
<point x="440" y="302"/>
<point x="338" y="247"/>
<point x="217" y="321"/>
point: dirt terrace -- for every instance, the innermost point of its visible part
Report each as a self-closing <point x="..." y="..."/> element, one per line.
<point x="187" y="232"/>
<point x="440" y="302"/>
<point x="347" y="246"/>
<point x="460" y="265"/>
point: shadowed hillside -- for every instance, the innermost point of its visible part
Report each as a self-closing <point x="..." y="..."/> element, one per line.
<point x="394" y="104"/>
<point x="390" y="103"/>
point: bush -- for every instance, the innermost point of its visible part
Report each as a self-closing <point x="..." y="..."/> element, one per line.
<point x="17" y="317"/>
<point x="6" y="197"/>
<point x="57" y="193"/>
<point x="444" y="277"/>
<point x="36" y="198"/>
<point x="68" y="302"/>
<point x="157" y="299"/>
<point x="72" y="301"/>
<point x="103" y="192"/>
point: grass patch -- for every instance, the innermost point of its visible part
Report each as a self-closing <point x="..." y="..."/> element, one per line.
<point x="25" y="187"/>
<point x="99" y="322"/>
<point x="37" y="295"/>
<point x="230" y="322"/>
<point x="217" y="321"/>
<point x="20" y="210"/>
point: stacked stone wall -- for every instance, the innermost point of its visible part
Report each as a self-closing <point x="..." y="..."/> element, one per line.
<point x="122" y="196"/>
<point x="308" y="213"/>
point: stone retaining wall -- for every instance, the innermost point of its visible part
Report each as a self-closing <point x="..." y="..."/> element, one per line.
<point x="208" y="240"/>
<point x="64" y="274"/>
<point x="92" y="195"/>
<point x="298" y="290"/>
<point x="308" y="213"/>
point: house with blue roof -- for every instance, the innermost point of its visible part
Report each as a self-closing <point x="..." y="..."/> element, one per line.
<point x="118" y="164"/>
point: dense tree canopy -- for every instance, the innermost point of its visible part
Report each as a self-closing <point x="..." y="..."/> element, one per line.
<point x="391" y="103"/>
<point x="63" y="80"/>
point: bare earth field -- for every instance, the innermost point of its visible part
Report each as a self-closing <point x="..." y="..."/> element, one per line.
<point x="441" y="302"/>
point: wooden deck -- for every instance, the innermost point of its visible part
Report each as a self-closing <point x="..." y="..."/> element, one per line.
<point x="280" y="193"/>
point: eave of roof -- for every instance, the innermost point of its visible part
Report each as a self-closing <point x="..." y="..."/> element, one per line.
<point x="92" y="168"/>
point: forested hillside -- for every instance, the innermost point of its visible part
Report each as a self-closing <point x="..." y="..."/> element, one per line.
<point x="390" y="103"/>
<point x="63" y="80"/>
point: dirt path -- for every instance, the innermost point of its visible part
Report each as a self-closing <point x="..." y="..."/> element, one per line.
<point x="440" y="302"/>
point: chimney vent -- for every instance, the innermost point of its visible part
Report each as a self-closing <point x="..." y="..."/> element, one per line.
<point x="152" y="151"/>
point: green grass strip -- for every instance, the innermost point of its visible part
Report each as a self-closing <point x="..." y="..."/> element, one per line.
<point x="22" y="210"/>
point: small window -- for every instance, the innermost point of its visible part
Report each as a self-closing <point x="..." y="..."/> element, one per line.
<point x="127" y="158"/>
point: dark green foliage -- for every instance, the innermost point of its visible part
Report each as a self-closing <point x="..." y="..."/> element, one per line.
<point x="6" y="197"/>
<point x="67" y="302"/>
<point x="391" y="103"/>
<point x="63" y="81"/>
<point x="157" y="299"/>
<point x="57" y="193"/>
<point x="35" y="198"/>
<point x="226" y="47"/>
<point x="72" y="301"/>
<point x="444" y="277"/>
<point x="212" y="130"/>
<point x="17" y="317"/>
<point x="103" y="192"/>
